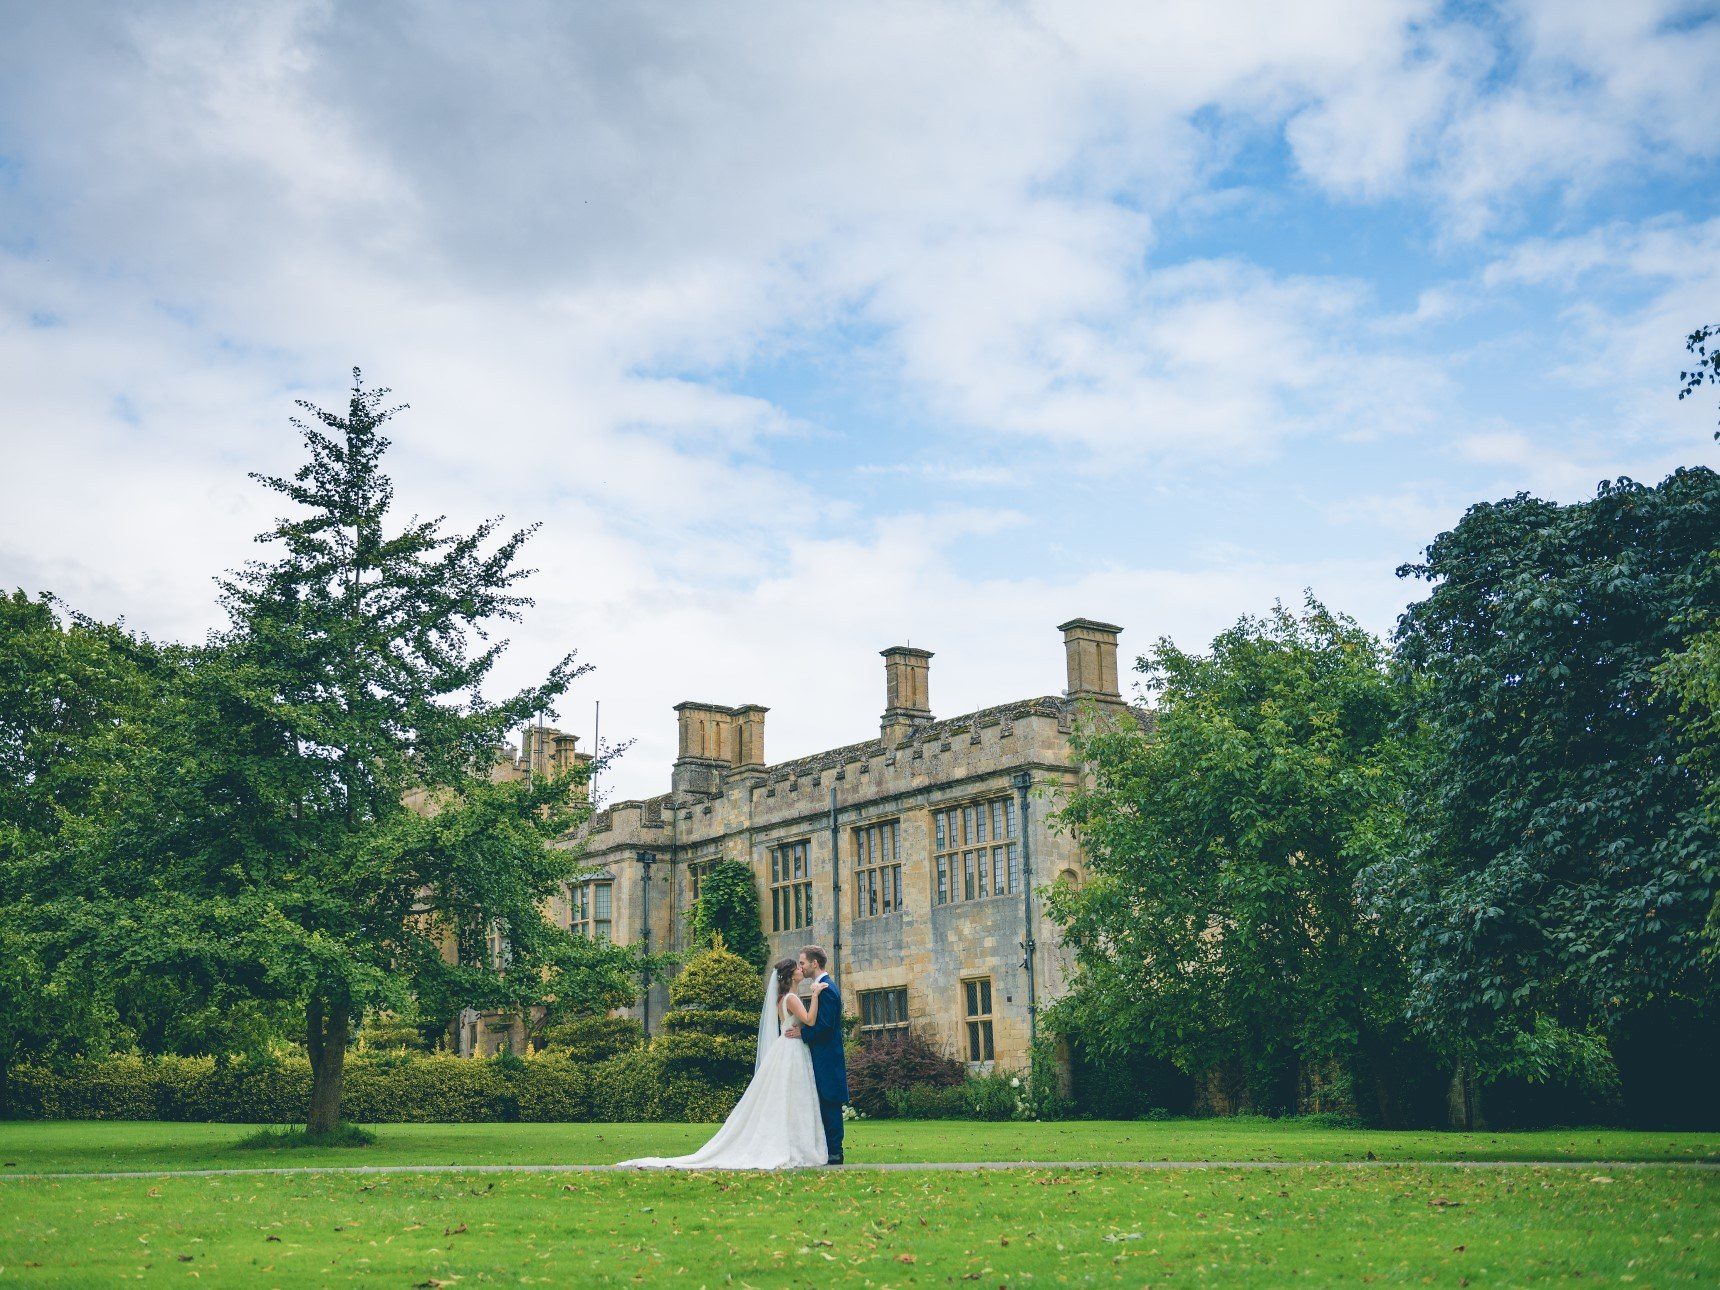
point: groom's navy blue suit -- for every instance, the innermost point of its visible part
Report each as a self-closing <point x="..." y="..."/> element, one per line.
<point x="829" y="1066"/>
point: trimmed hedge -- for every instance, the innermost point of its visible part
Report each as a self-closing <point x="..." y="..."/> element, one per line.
<point x="391" y="1089"/>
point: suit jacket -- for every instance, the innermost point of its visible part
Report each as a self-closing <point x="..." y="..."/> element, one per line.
<point x="824" y="1038"/>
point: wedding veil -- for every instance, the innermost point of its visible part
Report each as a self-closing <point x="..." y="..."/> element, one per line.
<point x="767" y="1023"/>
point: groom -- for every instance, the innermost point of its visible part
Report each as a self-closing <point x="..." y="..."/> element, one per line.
<point x="824" y="1038"/>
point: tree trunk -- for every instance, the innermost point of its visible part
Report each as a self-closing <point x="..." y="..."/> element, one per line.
<point x="1463" y="1099"/>
<point x="327" y="1025"/>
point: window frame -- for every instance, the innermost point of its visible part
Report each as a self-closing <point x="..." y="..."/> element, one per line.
<point x="582" y="909"/>
<point x="894" y="1001"/>
<point x="978" y="1020"/>
<point x="971" y="860"/>
<point x="876" y="848"/>
<point x="790" y="871"/>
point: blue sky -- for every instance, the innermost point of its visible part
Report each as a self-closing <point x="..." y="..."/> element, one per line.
<point x="808" y="330"/>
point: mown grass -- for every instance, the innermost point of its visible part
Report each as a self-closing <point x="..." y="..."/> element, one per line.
<point x="96" y="1146"/>
<point x="1392" y="1224"/>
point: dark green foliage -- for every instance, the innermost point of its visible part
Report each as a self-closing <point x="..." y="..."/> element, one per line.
<point x="728" y="907"/>
<point x="594" y="1039"/>
<point x="1125" y="1084"/>
<point x="1559" y="863"/>
<point x="1219" y="927"/>
<point x="72" y="697"/>
<point x="996" y="1096"/>
<point x="886" y="1065"/>
<point x="715" y="1057"/>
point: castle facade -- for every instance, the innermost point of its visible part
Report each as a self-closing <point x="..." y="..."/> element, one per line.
<point x="912" y="858"/>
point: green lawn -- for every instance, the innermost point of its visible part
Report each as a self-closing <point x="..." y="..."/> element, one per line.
<point x="1396" y="1224"/>
<point x="85" y="1146"/>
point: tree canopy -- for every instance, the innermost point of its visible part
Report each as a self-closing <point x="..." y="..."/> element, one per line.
<point x="256" y="840"/>
<point x="1220" y="920"/>
<point x="1558" y="861"/>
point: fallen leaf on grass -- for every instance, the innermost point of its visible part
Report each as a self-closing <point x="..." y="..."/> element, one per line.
<point x="1440" y="1202"/>
<point x="1601" y="1178"/>
<point x="453" y="1231"/>
<point x="906" y="1258"/>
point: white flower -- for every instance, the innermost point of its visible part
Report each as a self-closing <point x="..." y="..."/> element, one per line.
<point x="1015" y="1081"/>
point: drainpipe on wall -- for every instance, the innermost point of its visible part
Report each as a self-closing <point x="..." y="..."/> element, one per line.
<point x="1023" y="781"/>
<point x="646" y="860"/>
<point x="835" y="892"/>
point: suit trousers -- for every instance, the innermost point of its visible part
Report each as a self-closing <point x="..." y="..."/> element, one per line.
<point x="831" y="1114"/>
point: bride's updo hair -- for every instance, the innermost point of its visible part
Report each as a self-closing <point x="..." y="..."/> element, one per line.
<point x="784" y="969"/>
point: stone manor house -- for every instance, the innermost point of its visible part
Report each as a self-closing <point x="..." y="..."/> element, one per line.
<point x="913" y="858"/>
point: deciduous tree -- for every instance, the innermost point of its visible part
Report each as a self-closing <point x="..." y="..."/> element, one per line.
<point x="1220" y="922"/>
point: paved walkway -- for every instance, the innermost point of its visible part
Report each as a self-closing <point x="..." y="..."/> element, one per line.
<point x="970" y="1166"/>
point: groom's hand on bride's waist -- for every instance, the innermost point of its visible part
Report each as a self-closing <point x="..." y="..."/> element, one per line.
<point x="793" y="1032"/>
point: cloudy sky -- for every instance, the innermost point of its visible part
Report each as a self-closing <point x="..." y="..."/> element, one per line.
<point x="808" y="329"/>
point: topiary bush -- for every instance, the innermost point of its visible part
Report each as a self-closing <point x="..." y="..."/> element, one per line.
<point x="720" y="1059"/>
<point x="725" y="1021"/>
<point x="594" y="1039"/>
<point x="886" y="1064"/>
<point x="719" y="980"/>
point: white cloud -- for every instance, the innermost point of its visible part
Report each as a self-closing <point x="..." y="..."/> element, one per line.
<point x="562" y="231"/>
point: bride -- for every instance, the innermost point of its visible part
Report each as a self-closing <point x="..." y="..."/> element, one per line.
<point x="776" y="1123"/>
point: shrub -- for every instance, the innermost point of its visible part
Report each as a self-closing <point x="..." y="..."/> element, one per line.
<point x="628" y="1087"/>
<point x="926" y="1102"/>
<point x="894" y="1063"/>
<point x="718" y="980"/>
<point x="719" y="1058"/>
<point x="997" y="1096"/>
<point x="594" y="1039"/>
<point x="430" y="1088"/>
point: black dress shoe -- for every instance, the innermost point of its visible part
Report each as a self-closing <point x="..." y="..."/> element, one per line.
<point x="834" y="1160"/>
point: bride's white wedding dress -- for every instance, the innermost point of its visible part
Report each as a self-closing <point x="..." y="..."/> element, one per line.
<point x="776" y="1124"/>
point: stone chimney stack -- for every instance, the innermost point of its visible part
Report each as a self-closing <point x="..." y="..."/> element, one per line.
<point x="1090" y="649"/>
<point x="906" y="703"/>
<point x="713" y="740"/>
<point x="749" y="731"/>
<point x="546" y="750"/>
